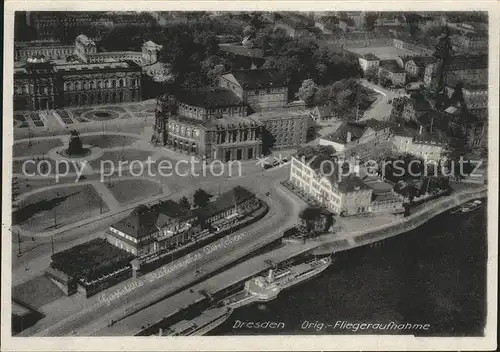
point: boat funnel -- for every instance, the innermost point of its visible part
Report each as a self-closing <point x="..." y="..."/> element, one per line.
<point x="270" y="276"/>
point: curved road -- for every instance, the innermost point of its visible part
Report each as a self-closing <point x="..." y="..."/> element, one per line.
<point x="97" y="314"/>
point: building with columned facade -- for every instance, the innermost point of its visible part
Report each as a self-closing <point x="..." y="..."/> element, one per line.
<point x="210" y="123"/>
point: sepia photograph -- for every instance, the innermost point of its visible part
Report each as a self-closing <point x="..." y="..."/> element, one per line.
<point x="250" y="173"/>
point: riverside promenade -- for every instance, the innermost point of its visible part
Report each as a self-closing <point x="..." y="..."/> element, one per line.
<point x="326" y="244"/>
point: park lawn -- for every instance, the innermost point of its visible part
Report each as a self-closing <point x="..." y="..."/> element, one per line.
<point x="128" y="191"/>
<point x="58" y="207"/>
<point x="37" y="147"/>
<point x="37" y="292"/>
<point x="39" y="167"/>
<point x="113" y="157"/>
<point x="108" y="140"/>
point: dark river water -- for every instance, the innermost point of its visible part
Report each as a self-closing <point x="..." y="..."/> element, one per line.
<point x="435" y="275"/>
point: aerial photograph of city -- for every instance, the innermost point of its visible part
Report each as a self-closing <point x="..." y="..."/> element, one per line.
<point x="224" y="173"/>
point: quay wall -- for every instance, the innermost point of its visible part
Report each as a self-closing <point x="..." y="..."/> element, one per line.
<point x="405" y="224"/>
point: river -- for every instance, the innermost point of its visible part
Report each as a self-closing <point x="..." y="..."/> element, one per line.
<point x="435" y="275"/>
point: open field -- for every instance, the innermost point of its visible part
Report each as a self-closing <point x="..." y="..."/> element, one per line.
<point x="383" y="52"/>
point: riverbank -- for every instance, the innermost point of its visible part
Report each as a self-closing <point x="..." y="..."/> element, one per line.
<point x="258" y="264"/>
<point x="435" y="274"/>
<point x="345" y="240"/>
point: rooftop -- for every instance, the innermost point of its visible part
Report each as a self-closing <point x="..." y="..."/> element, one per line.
<point x="391" y="66"/>
<point x="357" y="130"/>
<point x="226" y="200"/>
<point x="144" y="220"/>
<point x="208" y="98"/>
<point x="422" y="61"/>
<point x="279" y="113"/>
<point x="68" y="67"/>
<point x="345" y="182"/>
<point x="259" y="78"/>
<point x="467" y="62"/>
<point x="370" y="57"/>
<point x="90" y="259"/>
<point x="231" y="121"/>
<point x="413" y="132"/>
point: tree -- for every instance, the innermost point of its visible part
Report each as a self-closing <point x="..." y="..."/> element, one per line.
<point x="201" y="198"/>
<point x="184" y="203"/>
<point x="307" y="91"/>
<point x="309" y="219"/>
<point x="370" y="19"/>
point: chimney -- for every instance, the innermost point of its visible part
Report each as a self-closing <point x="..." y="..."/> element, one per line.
<point x="421" y="129"/>
<point x="349" y="136"/>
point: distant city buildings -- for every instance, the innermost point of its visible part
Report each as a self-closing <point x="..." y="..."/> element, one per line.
<point x="466" y="69"/>
<point x="366" y="139"/>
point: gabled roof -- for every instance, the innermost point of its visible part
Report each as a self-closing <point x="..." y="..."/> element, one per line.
<point x="259" y="78"/>
<point x="226" y="200"/>
<point x="422" y="61"/>
<point x="357" y="129"/>
<point x="144" y="220"/>
<point x="211" y="97"/>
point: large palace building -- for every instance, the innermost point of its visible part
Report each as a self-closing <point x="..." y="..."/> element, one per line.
<point x="211" y="123"/>
<point x="42" y="84"/>
<point x="52" y="76"/>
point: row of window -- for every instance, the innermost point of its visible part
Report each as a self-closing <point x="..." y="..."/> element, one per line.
<point x="113" y="83"/>
<point x="90" y="99"/>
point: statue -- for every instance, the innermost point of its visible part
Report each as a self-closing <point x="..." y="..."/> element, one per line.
<point x="75" y="147"/>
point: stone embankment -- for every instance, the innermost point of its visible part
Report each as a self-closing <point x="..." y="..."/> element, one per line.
<point x="345" y="241"/>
